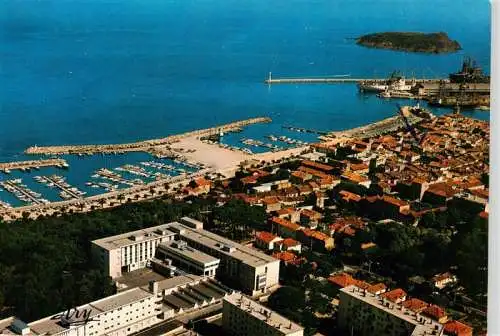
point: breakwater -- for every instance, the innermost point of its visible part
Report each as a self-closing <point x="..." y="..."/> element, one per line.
<point x="141" y="146"/>
<point x="24" y="165"/>
<point x="340" y="80"/>
<point x="374" y="129"/>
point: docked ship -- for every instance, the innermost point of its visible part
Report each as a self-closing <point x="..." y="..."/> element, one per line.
<point x="395" y="83"/>
<point x="470" y="73"/>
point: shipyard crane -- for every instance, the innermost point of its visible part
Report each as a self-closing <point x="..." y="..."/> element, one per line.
<point x="409" y="127"/>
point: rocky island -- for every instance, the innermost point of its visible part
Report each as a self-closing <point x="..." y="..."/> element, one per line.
<point x="410" y="41"/>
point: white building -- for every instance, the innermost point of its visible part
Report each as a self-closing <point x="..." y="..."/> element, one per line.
<point x="129" y="251"/>
<point x="363" y="313"/>
<point x="252" y="271"/>
<point x="243" y="316"/>
<point x="118" y="315"/>
<point x="187" y="258"/>
<point x="127" y="312"/>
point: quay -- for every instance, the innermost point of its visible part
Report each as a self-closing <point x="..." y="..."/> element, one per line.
<point x="337" y="80"/>
<point x="142" y="146"/>
<point x="24" y="165"/>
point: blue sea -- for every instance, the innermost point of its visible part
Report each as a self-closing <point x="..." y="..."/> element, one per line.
<point x="110" y="71"/>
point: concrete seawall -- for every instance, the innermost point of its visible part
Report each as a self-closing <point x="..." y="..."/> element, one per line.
<point x="141" y="146"/>
<point x="32" y="164"/>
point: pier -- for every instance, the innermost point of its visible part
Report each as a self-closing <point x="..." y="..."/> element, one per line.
<point x="339" y="80"/>
<point x="65" y="188"/>
<point x="142" y="146"/>
<point x="20" y="192"/>
<point x="24" y="165"/>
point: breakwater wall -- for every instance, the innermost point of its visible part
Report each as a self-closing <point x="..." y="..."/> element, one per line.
<point x="340" y="80"/>
<point x="6" y="166"/>
<point x="141" y="146"/>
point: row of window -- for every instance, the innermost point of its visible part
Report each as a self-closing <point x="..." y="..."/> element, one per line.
<point x="139" y="252"/>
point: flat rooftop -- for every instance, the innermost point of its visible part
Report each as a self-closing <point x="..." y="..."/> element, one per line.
<point x="211" y="240"/>
<point x="137" y="278"/>
<point x="188" y="253"/>
<point x="398" y="310"/>
<point x="263" y="313"/>
<point x="176" y="281"/>
<point x="121" y="299"/>
<point x="134" y="237"/>
<point x="51" y="324"/>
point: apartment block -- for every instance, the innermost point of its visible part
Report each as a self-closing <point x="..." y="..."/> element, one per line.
<point x="193" y="249"/>
<point x="129" y="251"/>
<point x="363" y="313"/>
<point x="242" y="316"/>
<point x="250" y="270"/>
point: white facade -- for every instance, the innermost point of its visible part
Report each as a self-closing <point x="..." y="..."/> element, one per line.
<point x="118" y="315"/>
<point x="130" y="251"/>
<point x="253" y="271"/>
<point x="187" y="258"/>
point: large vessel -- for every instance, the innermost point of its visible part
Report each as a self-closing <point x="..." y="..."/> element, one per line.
<point x="470" y="73"/>
<point x="396" y="82"/>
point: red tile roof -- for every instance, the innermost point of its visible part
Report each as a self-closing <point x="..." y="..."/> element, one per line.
<point x="349" y="196"/>
<point x="289" y="257"/>
<point x="358" y="166"/>
<point x="394" y="201"/>
<point x="289" y="242"/>
<point x="456" y="328"/>
<point x="300" y="175"/>
<point x="355" y="177"/>
<point x="377" y="288"/>
<point x="316" y="234"/>
<point x="270" y="200"/>
<point x="442" y="189"/>
<point x="342" y="280"/>
<point x="317" y="165"/>
<point x="415" y="305"/>
<point x="285" y="223"/>
<point x="394" y="295"/>
<point x="265" y="236"/>
<point x="313" y="172"/>
<point x="434" y="312"/>
<point x="202" y="182"/>
<point x="249" y="180"/>
<point x="311" y="214"/>
<point x="286" y="211"/>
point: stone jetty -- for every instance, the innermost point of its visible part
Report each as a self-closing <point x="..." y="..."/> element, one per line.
<point x="24" y="165"/>
<point x="141" y="146"/>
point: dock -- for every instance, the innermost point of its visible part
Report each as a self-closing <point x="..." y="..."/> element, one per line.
<point x="25" y="165"/>
<point x="339" y="80"/>
<point x="141" y="146"/>
<point x="22" y="193"/>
